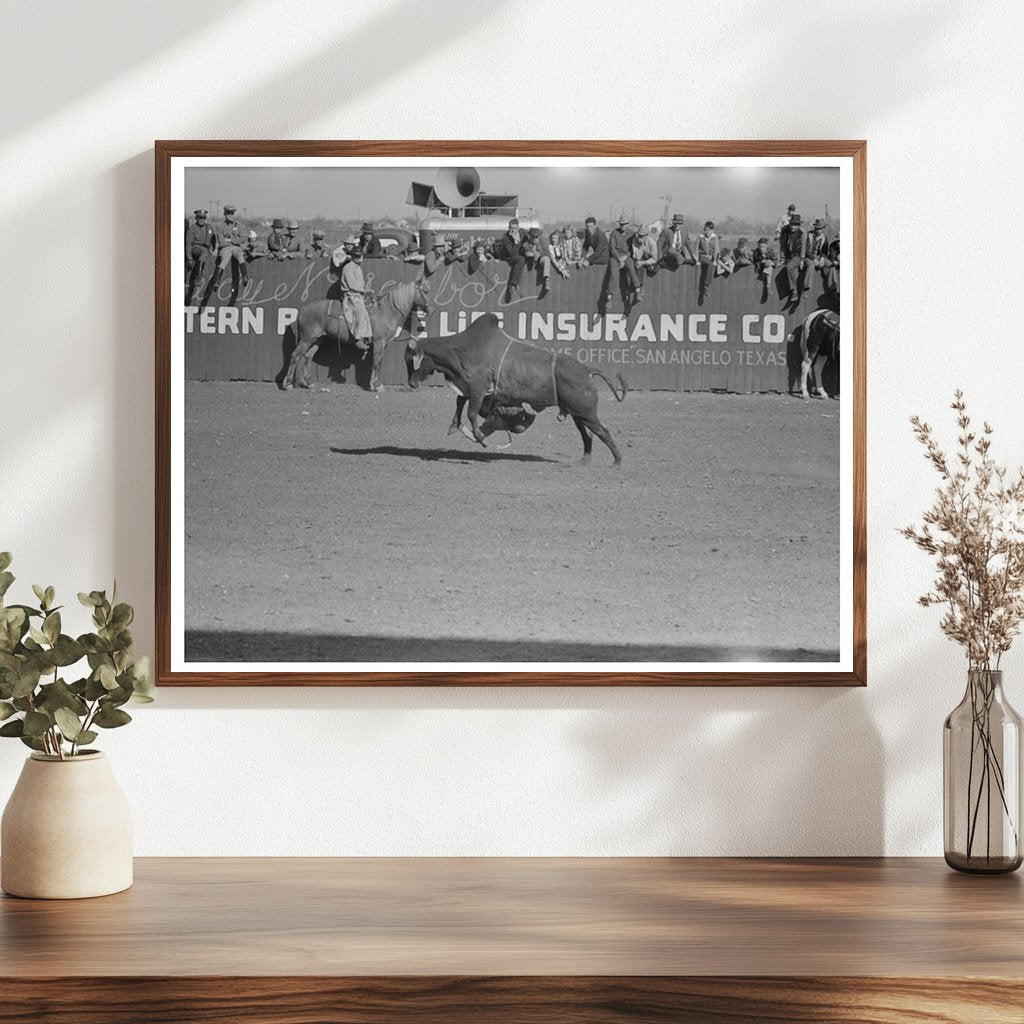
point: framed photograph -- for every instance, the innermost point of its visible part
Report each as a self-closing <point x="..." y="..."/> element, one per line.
<point x="491" y="413"/>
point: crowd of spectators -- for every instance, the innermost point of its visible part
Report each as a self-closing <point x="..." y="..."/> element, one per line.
<point x="631" y="253"/>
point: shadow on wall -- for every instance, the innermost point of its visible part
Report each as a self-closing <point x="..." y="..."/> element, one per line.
<point x="739" y="771"/>
<point x="694" y="771"/>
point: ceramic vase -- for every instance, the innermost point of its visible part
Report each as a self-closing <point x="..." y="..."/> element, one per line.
<point x="66" y="831"/>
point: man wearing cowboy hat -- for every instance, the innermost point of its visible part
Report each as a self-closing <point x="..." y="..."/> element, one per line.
<point x="200" y="242"/>
<point x="435" y="258"/>
<point x="292" y="246"/>
<point x="620" y="261"/>
<point x="782" y="222"/>
<point x="816" y="242"/>
<point x="353" y="290"/>
<point x="674" y="250"/>
<point x="316" y="247"/>
<point x="231" y="240"/>
<point x="275" y="240"/>
<point x="369" y="242"/>
<point x="793" y="246"/>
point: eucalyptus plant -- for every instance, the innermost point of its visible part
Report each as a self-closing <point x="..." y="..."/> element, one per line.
<point x="37" y="705"/>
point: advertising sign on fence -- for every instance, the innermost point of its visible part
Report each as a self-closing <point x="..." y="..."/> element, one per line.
<point x="734" y="339"/>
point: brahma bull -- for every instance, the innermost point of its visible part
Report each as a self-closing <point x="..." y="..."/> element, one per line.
<point x="482" y="362"/>
<point x="819" y="337"/>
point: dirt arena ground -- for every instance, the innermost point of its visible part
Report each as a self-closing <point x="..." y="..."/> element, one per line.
<point x="340" y="526"/>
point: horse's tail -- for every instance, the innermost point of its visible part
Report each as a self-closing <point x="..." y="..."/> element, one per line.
<point x="618" y="377"/>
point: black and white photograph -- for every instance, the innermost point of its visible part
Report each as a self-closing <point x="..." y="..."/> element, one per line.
<point x="511" y="414"/>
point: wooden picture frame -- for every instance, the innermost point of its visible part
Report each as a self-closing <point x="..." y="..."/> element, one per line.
<point x="171" y="160"/>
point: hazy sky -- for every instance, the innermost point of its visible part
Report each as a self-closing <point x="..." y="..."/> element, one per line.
<point x="554" y="193"/>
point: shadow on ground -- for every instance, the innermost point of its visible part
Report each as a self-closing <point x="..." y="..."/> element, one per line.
<point x="435" y="455"/>
<point x="240" y="646"/>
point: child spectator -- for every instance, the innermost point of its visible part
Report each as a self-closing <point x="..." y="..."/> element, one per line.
<point x="275" y="240"/>
<point x="725" y="263"/>
<point x="764" y="258"/>
<point x="572" y="247"/>
<point x="741" y="254"/>
<point x="556" y="250"/>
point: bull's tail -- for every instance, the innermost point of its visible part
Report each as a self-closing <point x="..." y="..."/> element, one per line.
<point x="622" y="383"/>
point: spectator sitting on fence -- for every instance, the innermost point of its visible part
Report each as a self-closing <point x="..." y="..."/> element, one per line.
<point x="644" y="246"/>
<point x="556" y="250"/>
<point x="456" y="251"/>
<point x="572" y="247"/>
<point x="782" y="223"/>
<point x="252" y="249"/>
<point x="317" y="247"/>
<point x="594" y="245"/>
<point x="369" y="243"/>
<point x="200" y="242"/>
<point x="707" y="257"/>
<point x="765" y="258"/>
<point x="830" y="269"/>
<point x="793" y="246"/>
<point x="817" y="243"/>
<point x="725" y="263"/>
<point x="673" y="245"/>
<point x="275" y="240"/>
<point x="434" y="260"/>
<point x="477" y="258"/>
<point x="538" y="258"/>
<point x="292" y="242"/>
<point x="741" y="255"/>
<point x="509" y="249"/>
<point x="620" y="264"/>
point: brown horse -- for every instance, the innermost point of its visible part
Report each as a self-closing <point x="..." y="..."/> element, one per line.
<point x="324" y="319"/>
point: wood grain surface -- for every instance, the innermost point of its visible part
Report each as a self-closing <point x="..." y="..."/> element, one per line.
<point x="722" y="941"/>
<point x="165" y="150"/>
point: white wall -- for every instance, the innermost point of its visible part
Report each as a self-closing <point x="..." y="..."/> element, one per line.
<point x="936" y="88"/>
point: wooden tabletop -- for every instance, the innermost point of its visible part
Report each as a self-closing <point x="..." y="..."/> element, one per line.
<point x="510" y="917"/>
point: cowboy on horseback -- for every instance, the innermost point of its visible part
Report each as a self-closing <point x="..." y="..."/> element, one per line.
<point x="353" y="291"/>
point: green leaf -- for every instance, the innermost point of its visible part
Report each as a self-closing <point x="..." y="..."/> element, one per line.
<point x="86" y="736"/>
<point x="27" y="681"/>
<point x="94" y="689"/>
<point x="31" y="741"/>
<point x="107" y="676"/>
<point x="14" y="728"/>
<point x="38" y="635"/>
<point x="36" y="723"/>
<point x="115" y="698"/>
<point x="6" y="579"/>
<point x="9" y="662"/>
<point x="40" y="593"/>
<point x="67" y="651"/>
<point x="50" y="595"/>
<point x="6" y="710"/>
<point x="111" y="718"/>
<point x="69" y="724"/>
<point x="5" y="559"/>
<point x="13" y="625"/>
<point x="59" y="695"/>
<point x="89" y="600"/>
<point x="51" y="626"/>
<point x="122" y="616"/>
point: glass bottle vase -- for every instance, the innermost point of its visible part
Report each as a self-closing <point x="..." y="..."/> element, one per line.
<point x="981" y="770"/>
